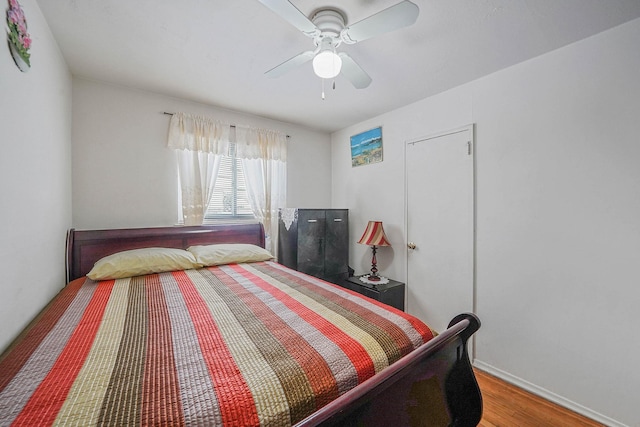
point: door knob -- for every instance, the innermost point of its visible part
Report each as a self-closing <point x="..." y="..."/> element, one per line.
<point x="411" y="245"/>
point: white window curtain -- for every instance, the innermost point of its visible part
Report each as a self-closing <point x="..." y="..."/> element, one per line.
<point x="197" y="172"/>
<point x="200" y="142"/>
<point x="264" y="161"/>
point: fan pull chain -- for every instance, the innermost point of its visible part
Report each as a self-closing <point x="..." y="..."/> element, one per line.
<point x="333" y="86"/>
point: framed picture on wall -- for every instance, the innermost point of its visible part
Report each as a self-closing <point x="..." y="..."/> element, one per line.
<point x="366" y="147"/>
<point x="18" y="38"/>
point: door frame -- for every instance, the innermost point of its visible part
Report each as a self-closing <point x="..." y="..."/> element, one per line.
<point x="472" y="150"/>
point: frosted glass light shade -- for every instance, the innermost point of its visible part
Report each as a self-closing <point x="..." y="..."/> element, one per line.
<point x="327" y="64"/>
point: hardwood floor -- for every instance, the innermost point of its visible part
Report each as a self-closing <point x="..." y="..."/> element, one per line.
<point x="505" y="405"/>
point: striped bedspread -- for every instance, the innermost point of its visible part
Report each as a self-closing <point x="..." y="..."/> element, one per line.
<point x="234" y="345"/>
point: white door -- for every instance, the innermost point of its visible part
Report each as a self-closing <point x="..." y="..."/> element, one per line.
<point x="440" y="226"/>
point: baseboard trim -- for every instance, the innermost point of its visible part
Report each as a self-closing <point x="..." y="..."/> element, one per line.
<point x="546" y="394"/>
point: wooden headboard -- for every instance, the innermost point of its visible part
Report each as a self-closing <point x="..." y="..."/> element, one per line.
<point x="85" y="247"/>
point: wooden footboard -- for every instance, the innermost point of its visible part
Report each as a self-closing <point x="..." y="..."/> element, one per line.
<point x="432" y="386"/>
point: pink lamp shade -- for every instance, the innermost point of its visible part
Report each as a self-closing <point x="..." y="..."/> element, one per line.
<point x="374" y="236"/>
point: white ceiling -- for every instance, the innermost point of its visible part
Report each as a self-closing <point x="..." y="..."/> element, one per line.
<point x="216" y="51"/>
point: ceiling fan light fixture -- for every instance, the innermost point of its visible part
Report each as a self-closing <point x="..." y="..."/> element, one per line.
<point x="327" y="64"/>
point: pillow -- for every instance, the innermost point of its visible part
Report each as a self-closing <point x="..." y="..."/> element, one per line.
<point x="137" y="262"/>
<point x="230" y="253"/>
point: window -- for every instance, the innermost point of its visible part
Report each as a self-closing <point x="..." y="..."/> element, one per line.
<point x="230" y="199"/>
<point x="212" y="185"/>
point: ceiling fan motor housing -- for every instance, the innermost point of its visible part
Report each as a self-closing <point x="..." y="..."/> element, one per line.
<point x="330" y="22"/>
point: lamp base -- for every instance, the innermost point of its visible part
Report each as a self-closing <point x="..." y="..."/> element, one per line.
<point x="373" y="278"/>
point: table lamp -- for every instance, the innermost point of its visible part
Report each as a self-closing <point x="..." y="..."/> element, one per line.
<point x="374" y="236"/>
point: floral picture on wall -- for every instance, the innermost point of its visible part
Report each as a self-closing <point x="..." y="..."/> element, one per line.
<point x="19" y="39"/>
<point x="366" y="147"/>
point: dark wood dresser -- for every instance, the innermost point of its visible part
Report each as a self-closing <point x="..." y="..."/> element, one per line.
<point x="315" y="241"/>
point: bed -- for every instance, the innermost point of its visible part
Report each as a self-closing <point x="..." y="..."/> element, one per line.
<point x="228" y="341"/>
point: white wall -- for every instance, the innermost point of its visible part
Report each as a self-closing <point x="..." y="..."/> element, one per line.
<point x="376" y="191"/>
<point x="558" y="208"/>
<point x="125" y="176"/>
<point x="35" y="176"/>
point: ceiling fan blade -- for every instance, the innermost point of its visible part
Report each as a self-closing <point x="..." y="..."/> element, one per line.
<point x="290" y="64"/>
<point x="400" y="15"/>
<point x="353" y="72"/>
<point x="292" y="15"/>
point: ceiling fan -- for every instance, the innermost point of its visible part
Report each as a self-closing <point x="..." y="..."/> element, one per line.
<point x="327" y="27"/>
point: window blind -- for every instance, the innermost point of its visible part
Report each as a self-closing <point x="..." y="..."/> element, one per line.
<point x="230" y="199"/>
